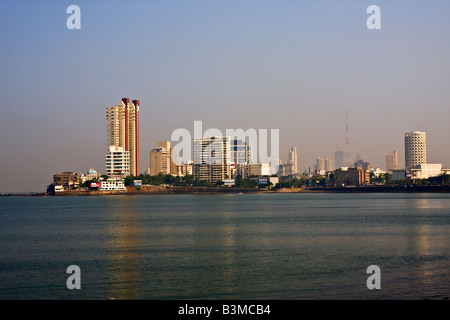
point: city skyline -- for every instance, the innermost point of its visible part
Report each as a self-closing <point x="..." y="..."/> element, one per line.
<point x="277" y="65"/>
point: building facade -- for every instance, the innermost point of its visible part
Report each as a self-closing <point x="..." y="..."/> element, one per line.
<point x="112" y="185"/>
<point x="426" y="170"/>
<point x="259" y="169"/>
<point x="212" y="158"/>
<point x="161" y="159"/>
<point x="351" y="177"/>
<point x="241" y="152"/>
<point x="184" y="169"/>
<point x="68" y="180"/>
<point x="391" y="161"/>
<point x="123" y="130"/>
<point x="117" y="162"/>
<point x="293" y="159"/>
<point x="415" y="149"/>
<point x="339" y="159"/>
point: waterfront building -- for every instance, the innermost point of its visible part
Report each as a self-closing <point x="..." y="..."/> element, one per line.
<point x="123" y="130"/>
<point x="68" y="180"/>
<point x="426" y="170"/>
<point x="90" y="175"/>
<point x="351" y="177"/>
<point x="212" y="158"/>
<point x="415" y="149"/>
<point x="117" y="162"/>
<point x="112" y="185"/>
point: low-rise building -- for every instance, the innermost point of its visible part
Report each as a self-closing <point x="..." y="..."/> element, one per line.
<point x="351" y="177"/>
<point x="184" y="169"/>
<point x="113" y="185"/>
<point x="258" y="169"/>
<point x="399" y="174"/>
<point x="426" y="170"/>
<point x="59" y="188"/>
<point x="69" y="180"/>
<point x="90" y="175"/>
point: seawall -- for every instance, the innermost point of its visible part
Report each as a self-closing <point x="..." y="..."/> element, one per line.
<point x="160" y="190"/>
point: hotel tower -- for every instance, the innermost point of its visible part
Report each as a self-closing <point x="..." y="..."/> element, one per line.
<point x="415" y="149"/>
<point x="123" y="130"/>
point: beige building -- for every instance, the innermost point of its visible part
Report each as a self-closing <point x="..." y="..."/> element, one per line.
<point x="123" y="130"/>
<point x="259" y="169"/>
<point x="161" y="159"/>
<point x="415" y="149"/>
<point x="184" y="169"/>
<point x="323" y="164"/>
<point x="68" y="180"/>
<point x="293" y="160"/>
<point x="426" y="170"/>
<point x="351" y="176"/>
<point x="391" y="161"/>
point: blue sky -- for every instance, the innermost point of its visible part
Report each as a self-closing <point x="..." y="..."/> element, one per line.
<point x="296" y="66"/>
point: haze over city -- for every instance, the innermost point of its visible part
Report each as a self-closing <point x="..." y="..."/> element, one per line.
<point x="293" y="66"/>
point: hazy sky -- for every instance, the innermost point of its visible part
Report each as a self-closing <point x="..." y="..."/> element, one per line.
<point x="296" y="66"/>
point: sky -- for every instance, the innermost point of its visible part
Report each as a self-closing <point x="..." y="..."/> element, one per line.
<point x="296" y="66"/>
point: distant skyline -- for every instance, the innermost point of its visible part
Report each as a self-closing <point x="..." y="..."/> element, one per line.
<point x="296" y="66"/>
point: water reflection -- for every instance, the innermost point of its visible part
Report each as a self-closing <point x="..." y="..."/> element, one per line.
<point x="125" y="232"/>
<point x="420" y="240"/>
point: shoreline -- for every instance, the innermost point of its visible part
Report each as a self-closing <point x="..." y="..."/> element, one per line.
<point x="149" y="190"/>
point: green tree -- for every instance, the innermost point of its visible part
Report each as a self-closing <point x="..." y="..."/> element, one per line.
<point x="169" y="179"/>
<point x="51" y="188"/>
<point x="189" y="179"/>
<point x="129" y="181"/>
<point x="105" y="177"/>
<point x="387" y="178"/>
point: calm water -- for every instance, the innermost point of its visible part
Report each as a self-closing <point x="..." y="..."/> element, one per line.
<point x="260" y="246"/>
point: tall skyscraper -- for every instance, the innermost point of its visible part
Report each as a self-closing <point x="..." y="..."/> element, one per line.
<point x="123" y="130"/>
<point x="347" y="153"/>
<point x="328" y="164"/>
<point x="293" y="159"/>
<point x="415" y="149"/>
<point x="391" y="161"/>
<point x="323" y="164"/>
<point x="212" y="158"/>
<point x="339" y="159"/>
<point x="320" y="164"/>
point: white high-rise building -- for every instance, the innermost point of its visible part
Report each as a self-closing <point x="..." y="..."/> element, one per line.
<point x="117" y="162"/>
<point x="415" y="149"/>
